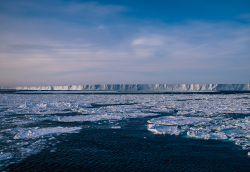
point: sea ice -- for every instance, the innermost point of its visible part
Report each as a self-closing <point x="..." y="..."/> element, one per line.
<point x="39" y="132"/>
<point x="81" y="118"/>
<point x="192" y="115"/>
<point x="5" y="156"/>
<point x="206" y="135"/>
<point x="98" y="117"/>
<point x="179" y="120"/>
<point x="116" y="127"/>
<point x="162" y="129"/>
<point x="28" y="151"/>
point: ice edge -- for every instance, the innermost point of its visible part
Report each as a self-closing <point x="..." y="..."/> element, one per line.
<point x="139" y="87"/>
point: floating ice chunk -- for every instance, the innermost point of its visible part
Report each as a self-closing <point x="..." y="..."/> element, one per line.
<point x="179" y="120"/>
<point x="28" y="151"/>
<point x="162" y="129"/>
<point x="135" y="115"/>
<point x="22" y="143"/>
<point x="22" y="122"/>
<point x="5" y="156"/>
<point x="116" y="127"/>
<point x="81" y="118"/>
<point x="92" y="118"/>
<point x="244" y="125"/>
<point x="39" y="132"/>
<point x="206" y="135"/>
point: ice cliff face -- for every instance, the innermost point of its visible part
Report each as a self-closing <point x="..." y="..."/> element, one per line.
<point x="142" y="87"/>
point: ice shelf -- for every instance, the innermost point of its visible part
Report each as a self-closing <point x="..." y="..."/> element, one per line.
<point x="140" y="87"/>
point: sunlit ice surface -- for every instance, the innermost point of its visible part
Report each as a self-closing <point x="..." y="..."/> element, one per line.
<point x="30" y="123"/>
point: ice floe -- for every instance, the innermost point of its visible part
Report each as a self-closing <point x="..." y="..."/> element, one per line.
<point x="98" y="117"/>
<point x="206" y="135"/>
<point x="39" y="132"/>
<point x="179" y="120"/>
<point x="162" y="129"/>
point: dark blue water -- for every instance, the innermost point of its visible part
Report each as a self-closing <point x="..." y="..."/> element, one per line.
<point x="134" y="148"/>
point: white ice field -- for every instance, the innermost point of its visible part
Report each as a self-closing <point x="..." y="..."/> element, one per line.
<point x="28" y="122"/>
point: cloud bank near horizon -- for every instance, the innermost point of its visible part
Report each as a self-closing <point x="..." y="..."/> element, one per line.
<point x="78" y="43"/>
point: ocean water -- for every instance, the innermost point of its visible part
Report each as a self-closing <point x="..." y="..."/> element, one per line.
<point x="124" y="132"/>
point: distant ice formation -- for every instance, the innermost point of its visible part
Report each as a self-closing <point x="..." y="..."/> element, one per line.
<point x="141" y="87"/>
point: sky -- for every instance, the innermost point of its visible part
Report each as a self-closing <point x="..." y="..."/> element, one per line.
<point x="74" y="42"/>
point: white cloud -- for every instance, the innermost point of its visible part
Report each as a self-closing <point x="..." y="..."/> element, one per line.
<point x="150" y="41"/>
<point x="101" y="26"/>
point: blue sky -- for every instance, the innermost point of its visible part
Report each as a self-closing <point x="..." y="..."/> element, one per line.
<point x="58" y="42"/>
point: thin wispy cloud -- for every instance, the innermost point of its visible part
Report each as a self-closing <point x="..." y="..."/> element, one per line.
<point x="244" y="17"/>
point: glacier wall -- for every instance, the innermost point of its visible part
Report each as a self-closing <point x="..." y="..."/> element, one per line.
<point x="141" y="87"/>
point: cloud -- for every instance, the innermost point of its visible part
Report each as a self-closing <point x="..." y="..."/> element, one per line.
<point x="146" y="53"/>
<point x="60" y="51"/>
<point x="94" y="8"/>
<point x="149" y="41"/>
<point x="101" y="27"/>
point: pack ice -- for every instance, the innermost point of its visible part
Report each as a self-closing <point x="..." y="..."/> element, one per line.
<point x="31" y="122"/>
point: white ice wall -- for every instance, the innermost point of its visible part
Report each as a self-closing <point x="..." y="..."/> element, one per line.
<point x="143" y="87"/>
